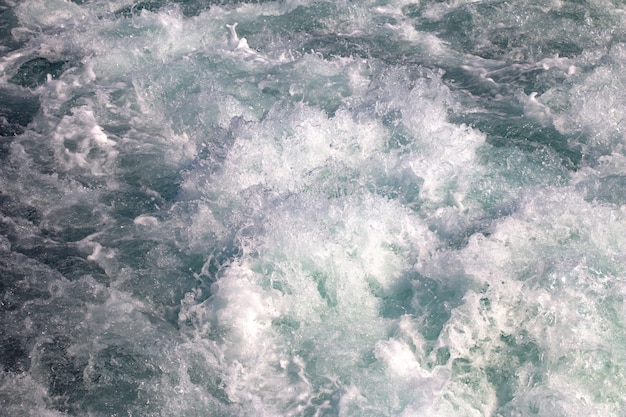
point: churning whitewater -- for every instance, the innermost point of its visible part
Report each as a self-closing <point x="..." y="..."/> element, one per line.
<point x="308" y="208"/>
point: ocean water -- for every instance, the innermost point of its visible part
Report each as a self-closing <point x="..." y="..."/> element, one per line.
<point x="312" y="208"/>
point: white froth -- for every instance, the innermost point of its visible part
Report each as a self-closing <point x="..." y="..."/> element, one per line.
<point x="545" y="299"/>
<point x="146" y="221"/>
<point x="315" y="191"/>
<point x="399" y="358"/>
<point x="37" y="15"/>
<point x="594" y="105"/>
<point x="23" y="395"/>
<point x="245" y="312"/>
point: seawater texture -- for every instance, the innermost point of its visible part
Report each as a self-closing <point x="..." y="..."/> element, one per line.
<point x="308" y="208"/>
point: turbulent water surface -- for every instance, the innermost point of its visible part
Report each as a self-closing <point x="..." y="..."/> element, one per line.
<point x="312" y="208"/>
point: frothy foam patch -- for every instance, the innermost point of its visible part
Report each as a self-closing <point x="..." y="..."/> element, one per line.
<point x="594" y="112"/>
<point x="38" y="16"/>
<point x="441" y="151"/>
<point x="83" y="144"/>
<point x="531" y="348"/>
<point x="293" y="156"/>
<point x="22" y="395"/>
<point x="201" y="220"/>
<point x="296" y="149"/>
<point x="305" y="303"/>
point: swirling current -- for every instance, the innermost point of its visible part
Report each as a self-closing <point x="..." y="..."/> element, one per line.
<point x="312" y="208"/>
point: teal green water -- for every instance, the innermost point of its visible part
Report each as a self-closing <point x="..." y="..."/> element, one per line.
<point x="300" y="208"/>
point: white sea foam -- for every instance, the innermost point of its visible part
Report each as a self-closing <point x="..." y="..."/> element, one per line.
<point x="280" y="208"/>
